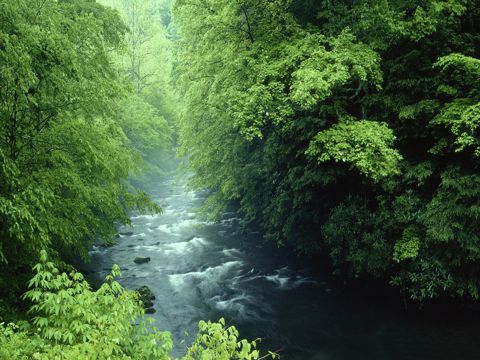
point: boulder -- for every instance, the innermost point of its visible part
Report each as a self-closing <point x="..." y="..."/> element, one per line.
<point x="141" y="260"/>
<point x="150" y="310"/>
<point x="145" y="292"/>
<point x="146" y="296"/>
<point x="147" y="303"/>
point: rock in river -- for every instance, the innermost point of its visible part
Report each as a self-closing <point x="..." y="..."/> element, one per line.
<point x="146" y="296"/>
<point x="141" y="260"/>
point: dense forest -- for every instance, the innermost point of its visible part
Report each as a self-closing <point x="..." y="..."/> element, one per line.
<point x="346" y="131"/>
<point x="83" y="109"/>
<point x="344" y="128"/>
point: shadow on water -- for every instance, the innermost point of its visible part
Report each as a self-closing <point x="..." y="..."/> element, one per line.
<point x="201" y="270"/>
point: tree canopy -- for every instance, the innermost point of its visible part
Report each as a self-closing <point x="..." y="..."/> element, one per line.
<point x="348" y="129"/>
<point x="65" y="154"/>
<point x="75" y="125"/>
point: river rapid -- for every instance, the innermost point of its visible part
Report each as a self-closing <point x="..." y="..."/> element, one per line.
<point x="200" y="270"/>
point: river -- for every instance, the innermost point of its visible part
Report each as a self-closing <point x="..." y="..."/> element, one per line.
<point x="200" y="270"/>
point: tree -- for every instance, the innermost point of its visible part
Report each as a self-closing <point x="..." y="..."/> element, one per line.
<point x="145" y="61"/>
<point x="64" y="158"/>
<point x="343" y="128"/>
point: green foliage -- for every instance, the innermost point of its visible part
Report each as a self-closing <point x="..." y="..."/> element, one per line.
<point x="425" y="280"/>
<point x="348" y="128"/>
<point x="65" y="156"/>
<point x="323" y="71"/>
<point x="354" y="237"/>
<point x="146" y="129"/>
<point x="147" y="116"/>
<point x="408" y="246"/>
<point x="71" y="321"/>
<point x="462" y="115"/>
<point x="216" y="341"/>
<point x="367" y="145"/>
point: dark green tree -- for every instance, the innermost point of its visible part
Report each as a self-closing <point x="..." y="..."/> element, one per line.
<point x="343" y="128"/>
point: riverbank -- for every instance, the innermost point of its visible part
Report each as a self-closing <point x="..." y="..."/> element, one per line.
<point x="201" y="270"/>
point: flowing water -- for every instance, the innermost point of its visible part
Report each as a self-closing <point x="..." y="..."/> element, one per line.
<point x="201" y="270"/>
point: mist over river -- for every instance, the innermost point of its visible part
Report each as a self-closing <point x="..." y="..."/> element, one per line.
<point x="201" y="270"/>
